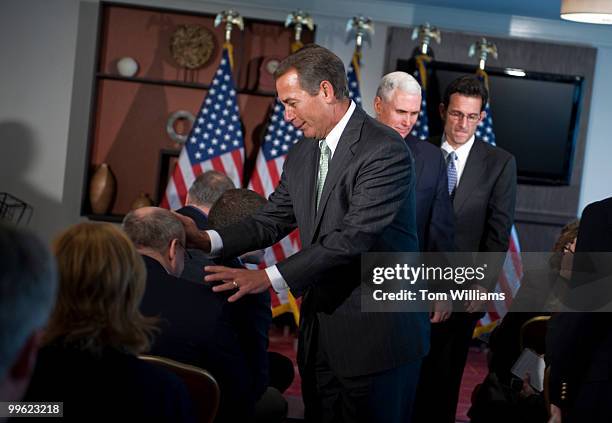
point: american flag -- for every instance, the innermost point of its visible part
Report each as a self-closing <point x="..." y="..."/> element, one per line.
<point x="353" y="76"/>
<point x="215" y="140"/>
<point x="421" y="127"/>
<point x="280" y="137"/>
<point x="510" y="278"/>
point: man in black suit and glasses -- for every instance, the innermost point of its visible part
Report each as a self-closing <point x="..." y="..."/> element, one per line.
<point x="349" y="188"/>
<point x="482" y="187"/>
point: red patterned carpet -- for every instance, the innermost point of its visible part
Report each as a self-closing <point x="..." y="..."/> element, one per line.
<point x="285" y="342"/>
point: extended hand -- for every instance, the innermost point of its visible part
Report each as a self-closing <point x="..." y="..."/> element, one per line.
<point x="244" y="280"/>
<point x="195" y="237"/>
<point x="474" y="306"/>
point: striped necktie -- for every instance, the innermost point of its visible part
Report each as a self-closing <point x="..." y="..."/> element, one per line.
<point x="323" y="167"/>
<point x="451" y="170"/>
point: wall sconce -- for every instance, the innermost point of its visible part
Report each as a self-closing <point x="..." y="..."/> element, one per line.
<point x="587" y="11"/>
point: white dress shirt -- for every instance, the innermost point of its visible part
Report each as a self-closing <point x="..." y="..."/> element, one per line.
<point x="462" y="153"/>
<point x="277" y="280"/>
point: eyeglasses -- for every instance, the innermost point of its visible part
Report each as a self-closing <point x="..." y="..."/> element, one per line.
<point x="457" y="115"/>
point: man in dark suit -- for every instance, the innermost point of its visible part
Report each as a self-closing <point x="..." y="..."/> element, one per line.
<point x="482" y="187"/>
<point x="397" y="104"/>
<point x="349" y="188"/>
<point x="196" y="327"/>
<point x="205" y="190"/>
<point x="252" y="315"/>
<point x="579" y="344"/>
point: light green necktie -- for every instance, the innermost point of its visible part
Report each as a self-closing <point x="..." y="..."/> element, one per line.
<point x="323" y="166"/>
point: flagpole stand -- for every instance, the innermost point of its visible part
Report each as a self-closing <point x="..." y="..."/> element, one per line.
<point x="360" y="29"/>
<point x="426" y="34"/>
<point x="483" y="49"/>
<point x="298" y="19"/>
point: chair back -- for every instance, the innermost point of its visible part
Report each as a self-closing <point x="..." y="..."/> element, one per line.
<point x="533" y="334"/>
<point x="202" y="386"/>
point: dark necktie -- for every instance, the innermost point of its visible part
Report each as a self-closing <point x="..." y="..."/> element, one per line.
<point x="451" y="170"/>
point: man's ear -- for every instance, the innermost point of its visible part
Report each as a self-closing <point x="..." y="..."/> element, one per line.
<point x="327" y="91"/>
<point x="442" y="110"/>
<point x="22" y="368"/>
<point x="378" y="106"/>
<point x="174" y="244"/>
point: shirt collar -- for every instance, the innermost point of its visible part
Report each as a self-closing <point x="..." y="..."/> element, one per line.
<point x="334" y="135"/>
<point x="462" y="152"/>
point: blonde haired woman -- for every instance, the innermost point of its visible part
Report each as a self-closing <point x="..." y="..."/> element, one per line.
<point x="96" y="331"/>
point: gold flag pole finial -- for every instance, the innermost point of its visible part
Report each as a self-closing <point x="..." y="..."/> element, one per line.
<point x="360" y="29"/>
<point x="425" y="34"/>
<point x="231" y="18"/>
<point x="299" y="19"/>
<point x="483" y="49"/>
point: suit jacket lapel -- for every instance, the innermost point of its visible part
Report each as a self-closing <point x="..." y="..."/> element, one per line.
<point x="474" y="168"/>
<point x="340" y="160"/>
<point x="309" y="178"/>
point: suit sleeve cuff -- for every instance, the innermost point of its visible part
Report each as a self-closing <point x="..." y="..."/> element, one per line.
<point x="216" y="243"/>
<point x="276" y="279"/>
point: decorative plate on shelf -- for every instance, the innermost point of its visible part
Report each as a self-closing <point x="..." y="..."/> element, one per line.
<point x="176" y="117"/>
<point x="192" y="46"/>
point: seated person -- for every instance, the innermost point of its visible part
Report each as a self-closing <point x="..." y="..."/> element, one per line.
<point x="203" y="193"/>
<point x="89" y="361"/>
<point x="196" y="327"/>
<point x="580" y="343"/>
<point x="538" y="295"/>
<point x="28" y="286"/>
<point x="505" y="339"/>
<point x="205" y="190"/>
<point x="253" y="312"/>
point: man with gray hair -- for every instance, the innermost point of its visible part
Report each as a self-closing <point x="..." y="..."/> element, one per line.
<point x="196" y="327"/>
<point x="397" y="104"/>
<point x="159" y="235"/>
<point x="28" y="287"/>
<point x="205" y="190"/>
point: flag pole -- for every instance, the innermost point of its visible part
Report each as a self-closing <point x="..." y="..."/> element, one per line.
<point x="230" y="18"/>
<point x="298" y="19"/>
<point x="360" y="29"/>
<point x="509" y="279"/>
<point x="425" y="34"/>
<point x="483" y="48"/>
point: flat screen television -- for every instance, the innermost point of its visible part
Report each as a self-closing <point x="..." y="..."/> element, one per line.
<point x="535" y="116"/>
